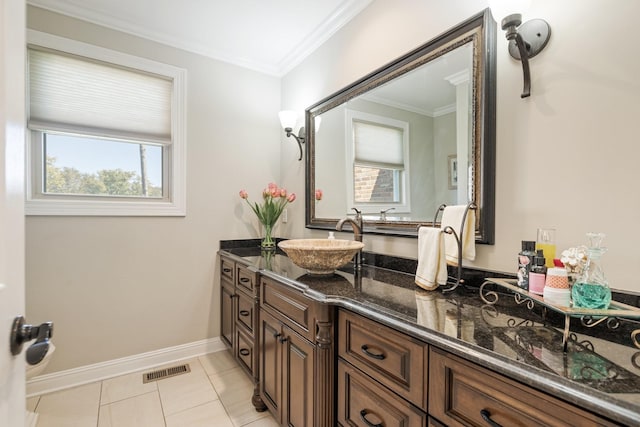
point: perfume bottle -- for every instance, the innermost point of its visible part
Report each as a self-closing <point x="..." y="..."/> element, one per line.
<point x="591" y="289"/>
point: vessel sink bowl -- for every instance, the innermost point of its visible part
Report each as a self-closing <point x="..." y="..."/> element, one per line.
<point x="320" y="256"/>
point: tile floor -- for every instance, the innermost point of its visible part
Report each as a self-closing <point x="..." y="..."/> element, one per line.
<point x="215" y="393"/>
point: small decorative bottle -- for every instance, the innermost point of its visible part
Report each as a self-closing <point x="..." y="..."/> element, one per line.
<point x="537" y="275"/>
<point x="591" y="289"/>
<point x="525" y="261"/>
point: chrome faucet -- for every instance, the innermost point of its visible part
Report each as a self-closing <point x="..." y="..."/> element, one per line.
<point x="357" y="227"/>
<point x="383" y="214"/>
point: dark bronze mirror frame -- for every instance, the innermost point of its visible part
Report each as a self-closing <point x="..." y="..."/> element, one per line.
<point x="480" y="30"/>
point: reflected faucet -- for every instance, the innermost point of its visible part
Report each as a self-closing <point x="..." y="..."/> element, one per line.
<point x="383" y="214"/>
<point x="357" y="227"/>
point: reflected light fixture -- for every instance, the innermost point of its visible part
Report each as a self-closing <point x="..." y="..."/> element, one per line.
<point x="526" y="40"/>
<point x="288" y="120"/>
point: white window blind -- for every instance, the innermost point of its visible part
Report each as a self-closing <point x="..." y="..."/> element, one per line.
<point x="73" y="94"/>
<point x="378" y="145"/>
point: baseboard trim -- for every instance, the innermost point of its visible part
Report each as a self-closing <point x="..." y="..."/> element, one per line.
<point x="55" y="381"/>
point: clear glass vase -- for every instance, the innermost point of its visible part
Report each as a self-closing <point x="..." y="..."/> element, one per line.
<point x="591" y="289"/>
<point x="268" y="244"/>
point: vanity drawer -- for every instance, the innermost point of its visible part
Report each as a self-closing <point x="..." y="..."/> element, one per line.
<point x="245" y="352"/>
<point x="395" y="359"/>
<point x="246" y="313"/>
<point x="289" y="306"/>
<point x="227" y="269"/>
<point x="246" y="279"/>
<point x="461" y="393"/>
<point x="363" y="402"/>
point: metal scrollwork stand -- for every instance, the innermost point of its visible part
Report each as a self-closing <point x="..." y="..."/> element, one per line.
<point x="588" y="317"/>
<point x="454" y="281"/>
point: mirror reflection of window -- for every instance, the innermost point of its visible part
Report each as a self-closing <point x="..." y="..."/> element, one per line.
<point x="378" y="163"/>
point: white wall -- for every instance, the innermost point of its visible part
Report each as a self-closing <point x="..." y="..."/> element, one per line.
<point x="566" y="157"/>
<point x="118" y="286"/>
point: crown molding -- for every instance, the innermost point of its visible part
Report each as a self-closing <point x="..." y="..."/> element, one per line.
<point x="336" y="20"/>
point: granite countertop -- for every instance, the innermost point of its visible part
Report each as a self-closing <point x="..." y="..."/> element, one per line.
<point x="600" y="370"/>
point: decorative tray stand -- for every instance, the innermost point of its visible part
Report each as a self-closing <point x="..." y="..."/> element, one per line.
<point x="588" y="317"/>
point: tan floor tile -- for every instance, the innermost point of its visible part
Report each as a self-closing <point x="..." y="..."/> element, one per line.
<point x="140" y="411"/>
<point x="233" y="386"/>
<point x="263" y="422"/>
<point x="242" y="412"/>
<point x="207" y="415"/>
<point x="220" y="361"/>
<point x="186" y="391"/>
<point x="124" y="387"/>
<point x="75" y="407"/>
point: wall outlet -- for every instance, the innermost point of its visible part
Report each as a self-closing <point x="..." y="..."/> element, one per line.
<point x="285" y="215"/>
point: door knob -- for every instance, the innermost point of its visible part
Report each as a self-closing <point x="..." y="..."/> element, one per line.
<point x="21" y="333"/>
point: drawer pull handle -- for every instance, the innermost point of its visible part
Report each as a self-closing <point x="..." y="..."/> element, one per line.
<point x="486" y="415"/>
<point x="226" y="270"/>
<point x="244" y="352"/>
<point x="276" y="335"/>
<point x="365" y="350"/>
<point x="363" y="415"/>
<point x="245" y="280"/>
<point x="282" y="340"/>
<point x="244" y="313"/>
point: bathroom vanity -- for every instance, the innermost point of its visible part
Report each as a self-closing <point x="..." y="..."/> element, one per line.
<point x="372" y="349"/>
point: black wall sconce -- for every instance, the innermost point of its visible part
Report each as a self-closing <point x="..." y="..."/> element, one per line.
<point x="288" y="120"/>
<point x="526" y="40"/>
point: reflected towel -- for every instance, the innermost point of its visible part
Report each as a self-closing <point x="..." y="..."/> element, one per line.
<point x="452" y="217"/>
<point x="432" y="267"/>
<point x="431" y="308"/>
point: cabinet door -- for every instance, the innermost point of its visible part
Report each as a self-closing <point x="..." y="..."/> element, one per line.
<point x="298" y="380"/>
<point x="397" y="360"/>
<point x="363" y="402"/>
<point x="271" y="364"/>
<point x="245" y="313"/>
<point x="464" y="394"/>
<point x="244" y="351"/>
<point x="227" y="317"/>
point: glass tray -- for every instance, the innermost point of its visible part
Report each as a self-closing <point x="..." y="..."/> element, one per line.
<point x="588" y="317"/>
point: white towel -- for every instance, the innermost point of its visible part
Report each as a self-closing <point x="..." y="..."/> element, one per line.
<point x="432" y="267"/>
<point x="452" y="217"/>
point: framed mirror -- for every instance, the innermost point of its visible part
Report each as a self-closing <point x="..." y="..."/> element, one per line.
<point x="408" y="137"/>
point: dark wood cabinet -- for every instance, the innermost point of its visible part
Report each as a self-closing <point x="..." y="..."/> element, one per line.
<point x="227" y="312"/>
<point x="316" y="365"/>
<point x="462" y="393"/>
<point x="382" y="375"/>
<point x="296" y="356"/>
<point x="363" y="402"/>
<point x="239" y="317"/>
<point x="287" y="383"/>
<point x="396" y="360"/>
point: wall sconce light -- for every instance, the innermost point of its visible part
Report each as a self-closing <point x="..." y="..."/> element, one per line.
<point x="525" y="40"/>
<point x="288" y="120"/>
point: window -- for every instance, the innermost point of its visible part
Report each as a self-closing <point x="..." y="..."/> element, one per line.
<point x="106" y="132"/>
<point x="377" y="163"/>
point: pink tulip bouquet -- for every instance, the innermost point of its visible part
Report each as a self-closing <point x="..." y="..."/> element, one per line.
<point x="274" y="200"/>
